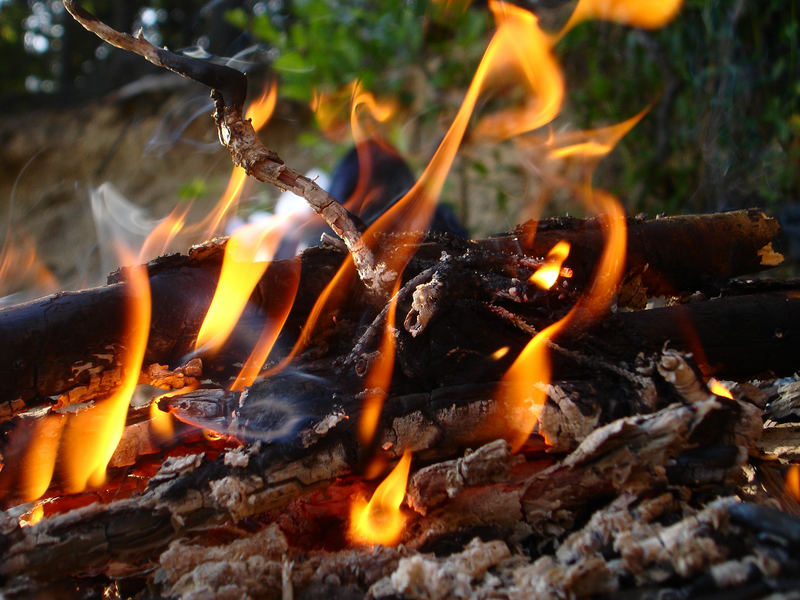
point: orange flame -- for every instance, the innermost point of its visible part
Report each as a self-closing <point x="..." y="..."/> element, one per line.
<point x="718" y="389"/>
<point x="37" y="466"/>
<point x="547" y="275"/>
<point x="158" y="240"/>
<point x="522" y="389"/>
<point x="277" y="312"/>
<point x="520" y="43"/>
<point x="379" y="378"/>
<point x="259" y="112"/>
<point x="330" y="111"/>
<point x="21" y="268"/>
<point x="364" y="132"/>
<point x="593" y="143"/>
<point x="380" y="521"/>
<point x="246" y="259"/>
<point x="648" y="14"/>
<point x="91" y="436"/>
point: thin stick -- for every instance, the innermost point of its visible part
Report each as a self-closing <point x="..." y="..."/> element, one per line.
<point x="229" y="89"/>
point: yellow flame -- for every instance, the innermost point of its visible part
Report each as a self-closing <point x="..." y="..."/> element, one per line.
<point x="161" y="425"/>
<point x="278" y="311"/>
<point x="718" y="389"/>
<point x="246" y="259"/>
<point x="379" y="377"/>
<point x="500" y="353"/>
<point x="91" y="436"/>
<point x="547" y="275"/>
<point x="648" y="14"/>
<point x="380" y="521"/>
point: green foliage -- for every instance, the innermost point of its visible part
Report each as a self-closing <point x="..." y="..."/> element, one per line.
<point x="722" y="78"/>
<point x="321" y="44"/>
<point x="191" y="190"/>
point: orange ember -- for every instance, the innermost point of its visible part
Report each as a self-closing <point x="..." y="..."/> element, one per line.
<point x="792" y="483"/>
<point x="380" y="521"/>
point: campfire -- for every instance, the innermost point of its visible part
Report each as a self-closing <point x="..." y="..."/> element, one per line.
<point x="579" y="407"/>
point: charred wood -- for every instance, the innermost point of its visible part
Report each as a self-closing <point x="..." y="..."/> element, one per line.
<point x="72" y="339"/>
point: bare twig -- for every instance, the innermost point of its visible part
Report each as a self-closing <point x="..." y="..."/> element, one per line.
<point x="229" y="89"/>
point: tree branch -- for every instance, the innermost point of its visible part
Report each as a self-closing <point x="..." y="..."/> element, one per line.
<point x="229" y="89"/>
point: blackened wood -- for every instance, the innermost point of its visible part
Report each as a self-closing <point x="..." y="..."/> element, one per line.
<point x="670" y="254"/>
<point x="53" y="344"/>
<point x="58" y="342"/>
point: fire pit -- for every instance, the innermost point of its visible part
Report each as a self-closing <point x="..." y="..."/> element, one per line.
<point x="402" y="414"/>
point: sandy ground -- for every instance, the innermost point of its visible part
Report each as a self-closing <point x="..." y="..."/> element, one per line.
<point x="148" y="148"/>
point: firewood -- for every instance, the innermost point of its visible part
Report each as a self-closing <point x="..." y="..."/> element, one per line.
<point x="70" y="339"/>
<point x="191" y="493"/>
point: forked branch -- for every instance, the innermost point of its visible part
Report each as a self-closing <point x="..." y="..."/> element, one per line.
<point x="229" y="89"/>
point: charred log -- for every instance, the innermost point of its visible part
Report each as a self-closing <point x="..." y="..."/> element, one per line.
<point x="70" y="339"/>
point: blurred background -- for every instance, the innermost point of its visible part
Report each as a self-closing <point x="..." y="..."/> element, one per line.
<point x="78" y="116"/>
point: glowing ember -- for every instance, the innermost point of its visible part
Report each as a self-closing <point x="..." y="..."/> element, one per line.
<point x="213" y="436"/>
<point x="500" y="353"/>
<point x="792" y="483"/>
<point x="719" y="389"/>
<point x="246" y="259"/>
<point x="547" y="275"/>
<point x="380" y="521"/>
<point x="31" y="518"/>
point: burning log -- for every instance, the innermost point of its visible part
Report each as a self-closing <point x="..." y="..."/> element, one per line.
<point x="70" y="339"/>
<point x="591" y="459"/>
<point x="626" y="457"/>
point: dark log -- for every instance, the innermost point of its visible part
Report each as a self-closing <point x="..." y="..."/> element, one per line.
<point x="668" y="255"/>
<point x="191" y="493"/>
<point x="62" y="341"/>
